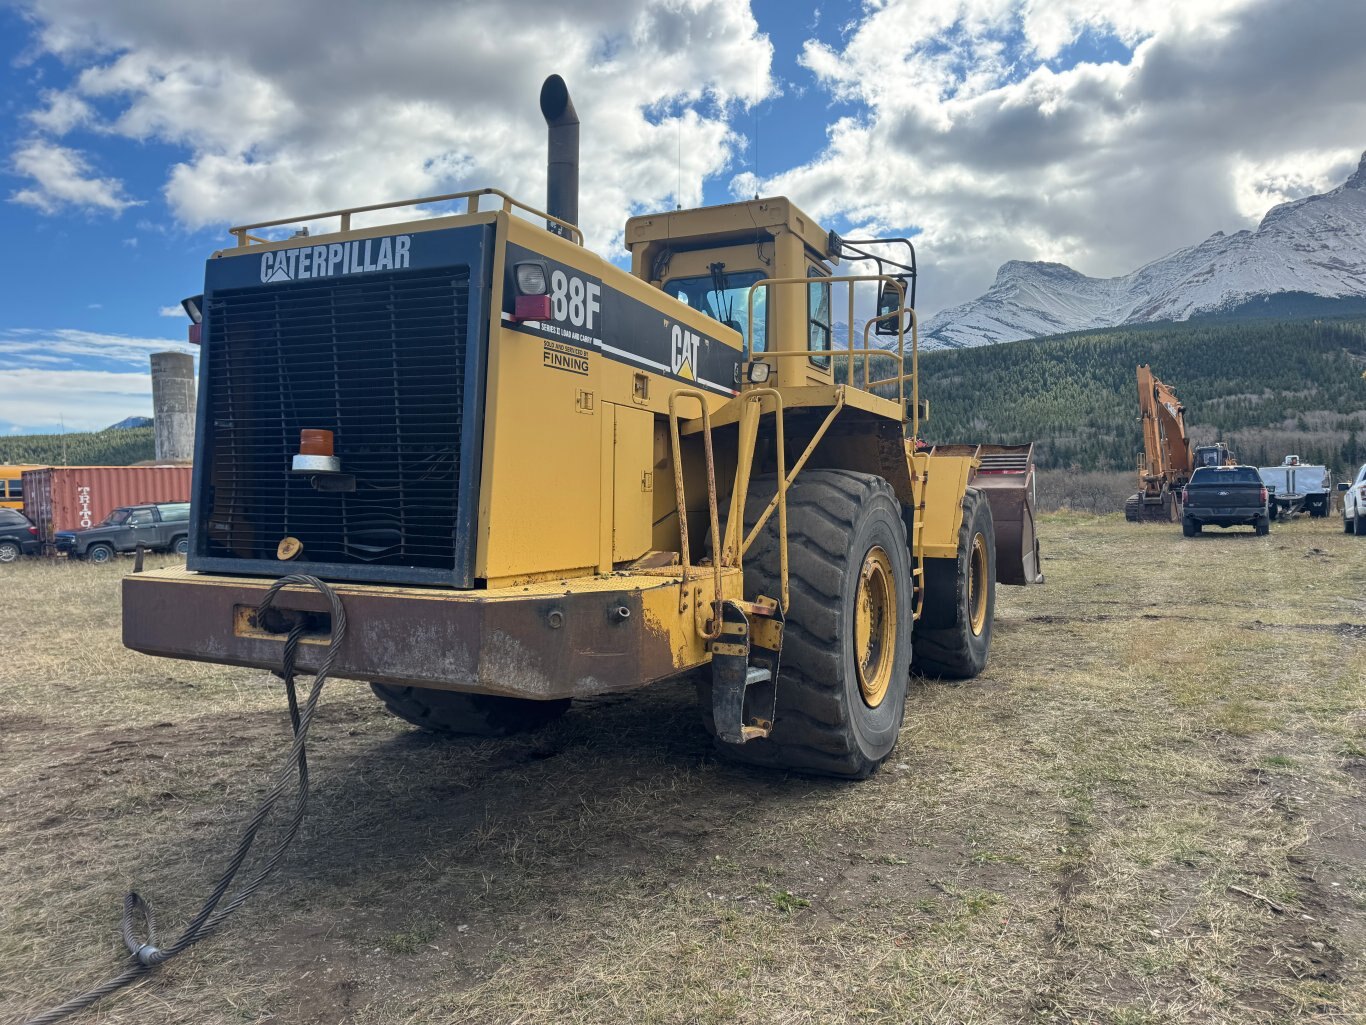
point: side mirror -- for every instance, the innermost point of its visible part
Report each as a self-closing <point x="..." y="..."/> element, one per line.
<point x="1344" y="485"/>
<point x="889" y="301"/>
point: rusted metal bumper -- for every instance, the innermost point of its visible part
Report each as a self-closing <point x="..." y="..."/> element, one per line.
<point x="541" y="641"/>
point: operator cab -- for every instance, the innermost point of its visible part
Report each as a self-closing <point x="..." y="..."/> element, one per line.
<point x="714" y="259"/>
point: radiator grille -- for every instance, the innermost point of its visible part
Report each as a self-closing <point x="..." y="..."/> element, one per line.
<point x="380" y="361"/>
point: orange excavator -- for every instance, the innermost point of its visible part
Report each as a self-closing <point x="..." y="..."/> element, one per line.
<point x="1168" y="460"/>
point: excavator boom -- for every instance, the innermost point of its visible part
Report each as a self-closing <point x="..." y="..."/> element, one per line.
<point x="1167" y="460"/>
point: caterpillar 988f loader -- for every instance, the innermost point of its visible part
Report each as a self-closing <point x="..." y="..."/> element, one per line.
<point x="532" y="476"/>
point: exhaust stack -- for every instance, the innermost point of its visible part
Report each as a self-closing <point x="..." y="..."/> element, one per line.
<point x="562" y="161"/>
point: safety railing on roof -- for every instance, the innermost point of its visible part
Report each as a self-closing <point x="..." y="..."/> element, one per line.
<point x="244" y="236"/>
<point x="868" y="352"/>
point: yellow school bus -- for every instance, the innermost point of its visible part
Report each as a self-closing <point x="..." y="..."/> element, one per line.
<point x="12" y="486"/>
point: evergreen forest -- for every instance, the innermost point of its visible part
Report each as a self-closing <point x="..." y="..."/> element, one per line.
<point x="114" y="447"/>
<point x="1266" y="388"/>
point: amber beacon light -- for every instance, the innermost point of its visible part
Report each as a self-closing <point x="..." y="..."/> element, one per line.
<point x="316" y="453"/>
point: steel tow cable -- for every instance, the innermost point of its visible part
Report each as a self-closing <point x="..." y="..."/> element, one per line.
<point x="145" y="954"/>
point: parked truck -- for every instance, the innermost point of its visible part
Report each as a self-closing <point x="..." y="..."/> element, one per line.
<point x="156" y="528"/>
<point x="1224" y="496"/>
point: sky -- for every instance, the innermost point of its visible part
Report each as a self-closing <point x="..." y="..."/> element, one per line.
<point x="1098" y="134"/>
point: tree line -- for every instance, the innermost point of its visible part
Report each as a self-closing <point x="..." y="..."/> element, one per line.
<point x="1266" y="388"/>
<point x="119" y="447"/>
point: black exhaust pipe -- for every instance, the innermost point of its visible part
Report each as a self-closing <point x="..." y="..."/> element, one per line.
<point x="562" y="161"/>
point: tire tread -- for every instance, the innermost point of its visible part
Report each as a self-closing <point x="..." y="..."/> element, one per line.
<point x="458" y="714"/>
<point x="814" y="733"/>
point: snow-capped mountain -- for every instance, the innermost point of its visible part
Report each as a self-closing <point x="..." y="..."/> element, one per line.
<point x="1310" y="247"/>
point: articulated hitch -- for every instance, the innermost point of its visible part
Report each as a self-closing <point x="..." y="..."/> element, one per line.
<point x="744" y="669"/>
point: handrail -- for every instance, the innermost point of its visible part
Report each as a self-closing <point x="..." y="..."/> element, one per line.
<point x="737" y="542"/>
<point x="901" y="378"/>
<point x="674" y="396"/>
<point x="244" y="238"/>
<point x="850" y="352"/>
<point x="785" y="479"/>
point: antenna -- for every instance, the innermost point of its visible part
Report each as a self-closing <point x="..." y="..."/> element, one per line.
<point x="756" y="131"/>
<point x="678" y="193"/>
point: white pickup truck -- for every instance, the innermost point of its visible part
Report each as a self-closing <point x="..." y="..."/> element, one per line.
<point x="1354" y="504"/>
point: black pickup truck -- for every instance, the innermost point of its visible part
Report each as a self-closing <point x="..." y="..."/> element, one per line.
<point x="1224" y="496"/>
<point x="158" y="528"/>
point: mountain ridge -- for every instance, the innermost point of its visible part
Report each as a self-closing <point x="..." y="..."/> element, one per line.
<point x="1313" y="246"/>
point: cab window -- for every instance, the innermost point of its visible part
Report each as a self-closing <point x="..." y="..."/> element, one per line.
<point x="16" y="489"/>
<point x="727" y="299"/>
<point x="819" y="326"/>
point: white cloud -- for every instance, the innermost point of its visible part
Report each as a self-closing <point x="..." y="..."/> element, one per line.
<point x="22" y="346"/>
<point x="83" y="400"/>
<point x="76" y="377"/>
<point x="972" y="131"/>
<point x="971" y="122"/>
<point x="63" y="112"/>
<point x="172" y="311"/>
<point x="62" y="177"/>
<point x="281" y="115"/>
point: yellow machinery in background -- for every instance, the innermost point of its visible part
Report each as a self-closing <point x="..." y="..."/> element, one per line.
<point x="12" y="486"/>
<point x="531" y="475"/>
<point x="1168" y="458"/>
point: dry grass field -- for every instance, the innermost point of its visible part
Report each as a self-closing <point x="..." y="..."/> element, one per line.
<point x="1148" y="810"/>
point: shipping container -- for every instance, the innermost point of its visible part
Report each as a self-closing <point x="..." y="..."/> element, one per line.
<point x="75" y="497"/>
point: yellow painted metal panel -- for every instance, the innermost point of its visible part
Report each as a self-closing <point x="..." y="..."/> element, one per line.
<point x="633" y="482"/>
<point x="941" y="507"/>
<point x="540" y="503"/>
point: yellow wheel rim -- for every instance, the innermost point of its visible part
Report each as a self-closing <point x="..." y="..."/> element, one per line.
<point x="875" y="619"/>
<point x="978" y="585"/>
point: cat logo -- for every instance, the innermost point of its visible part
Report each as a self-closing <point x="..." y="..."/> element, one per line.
<point x="684" y="352"/>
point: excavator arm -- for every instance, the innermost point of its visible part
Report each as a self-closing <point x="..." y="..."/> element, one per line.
<point x="1166" y="463"/>
<point x="1166" y="446"/>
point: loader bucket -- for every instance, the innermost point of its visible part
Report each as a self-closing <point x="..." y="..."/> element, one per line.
<point x="1005" y="474"/>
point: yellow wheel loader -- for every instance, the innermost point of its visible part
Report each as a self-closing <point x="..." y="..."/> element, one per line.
<point x="532" y="476"/>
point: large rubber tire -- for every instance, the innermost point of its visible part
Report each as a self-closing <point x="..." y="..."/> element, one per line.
<point x="99" y="553"/>
<point x="1359" y="523"/>
<point x="1189" y="527"/>
<point x="1348" y="526"/>
<point x="946" y="643"/>
<point x="1133" y="508"/>
<point x="822" y="725"/>
<point x="181" y="546"/>
<point x="471" y="715"/>
<point x="1262" y="526"/>
<point x="10" y="551"/>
